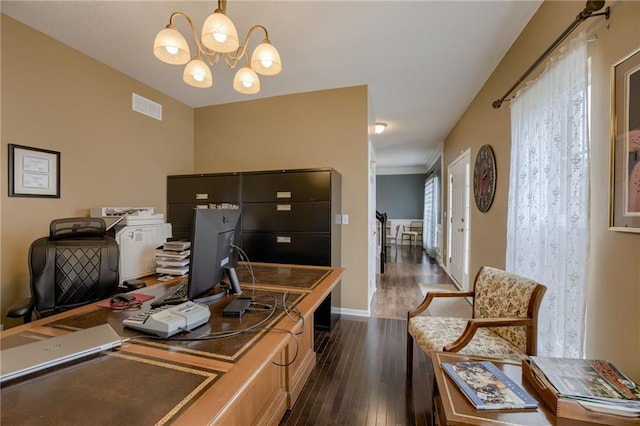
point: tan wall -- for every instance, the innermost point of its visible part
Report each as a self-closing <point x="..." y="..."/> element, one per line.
<point x="613" y="317"/>
<point x="56" y="98"/>
<point x="318" y="129"/>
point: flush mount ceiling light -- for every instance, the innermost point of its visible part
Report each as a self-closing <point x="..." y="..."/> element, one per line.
<point x="379" y="127"/>
<point x="219" y="40"/>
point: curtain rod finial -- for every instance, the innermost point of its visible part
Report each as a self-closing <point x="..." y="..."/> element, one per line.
<point x="497" y="103"/>
<point x="593" y="5"/>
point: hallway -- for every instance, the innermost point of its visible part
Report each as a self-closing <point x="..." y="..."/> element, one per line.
<point x="359" y="377"/>
<point x="398" y="289"/>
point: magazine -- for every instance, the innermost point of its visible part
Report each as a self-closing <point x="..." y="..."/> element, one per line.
<point x="596" y="384"/>
<point x="487" y="387"/>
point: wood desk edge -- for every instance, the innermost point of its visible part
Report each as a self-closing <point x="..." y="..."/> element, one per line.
<point x="219" y="400"/>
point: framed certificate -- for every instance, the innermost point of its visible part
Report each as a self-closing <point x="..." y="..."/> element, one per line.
<point x="33" y="172"/>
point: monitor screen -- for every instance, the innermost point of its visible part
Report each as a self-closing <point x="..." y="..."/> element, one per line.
<point x="214" y="233"/>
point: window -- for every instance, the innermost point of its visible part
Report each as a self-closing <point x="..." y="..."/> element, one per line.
<point x="548" y="205"/>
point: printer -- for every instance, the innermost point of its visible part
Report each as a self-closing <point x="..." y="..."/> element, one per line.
<point x="139" y="231"/>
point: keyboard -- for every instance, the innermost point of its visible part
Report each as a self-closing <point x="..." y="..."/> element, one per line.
<point x="175" y="296"/>
<point x="167" y="320"/>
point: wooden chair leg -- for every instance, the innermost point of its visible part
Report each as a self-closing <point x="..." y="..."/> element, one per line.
<point x="409" y="357"/>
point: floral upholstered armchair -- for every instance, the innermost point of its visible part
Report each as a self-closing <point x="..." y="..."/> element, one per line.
<point x="503" y="323"/>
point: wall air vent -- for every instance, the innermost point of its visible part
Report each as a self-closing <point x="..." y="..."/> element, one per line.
<point x="146" y="106"/>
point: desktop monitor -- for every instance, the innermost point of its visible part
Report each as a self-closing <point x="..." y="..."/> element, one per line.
<point x="214" y="233"/>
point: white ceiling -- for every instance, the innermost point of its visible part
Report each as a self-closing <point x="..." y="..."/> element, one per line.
<point x="423" y="61"/>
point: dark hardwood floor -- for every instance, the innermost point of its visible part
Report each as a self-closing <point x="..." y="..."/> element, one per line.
<point x="398" y="290"/>
<point x="359" y="378"/>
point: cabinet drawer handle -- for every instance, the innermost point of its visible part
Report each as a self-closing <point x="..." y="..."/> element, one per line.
<point x="202" y="196"/>
<point x="283" y="240"/>
<point x="283" y="194"/>
<point x="283" y="207"/>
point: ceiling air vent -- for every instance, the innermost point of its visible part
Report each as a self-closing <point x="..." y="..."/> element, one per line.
<point x="147" y="107"/>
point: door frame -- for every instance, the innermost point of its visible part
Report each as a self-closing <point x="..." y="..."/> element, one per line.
<point x="372" y="226"/>
<point x="463" y="161"/>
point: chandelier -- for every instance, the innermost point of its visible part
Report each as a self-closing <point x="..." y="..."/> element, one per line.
<point x="219" y="39"/>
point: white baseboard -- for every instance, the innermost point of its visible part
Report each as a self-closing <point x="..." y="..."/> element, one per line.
<point x="455" y="282"/>
<point x="354" y="312"/>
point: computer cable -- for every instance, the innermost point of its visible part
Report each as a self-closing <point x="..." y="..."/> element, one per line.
<point x="256" y="328"/>
<point x="248" y="265"/>
<point x="243" y="256"/>
<point x="256" y="305"/>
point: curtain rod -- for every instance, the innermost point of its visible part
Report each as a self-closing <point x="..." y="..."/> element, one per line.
<point x="590" y="7"/>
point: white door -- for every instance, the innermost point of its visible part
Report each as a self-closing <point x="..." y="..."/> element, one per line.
<point x="458" y="219"/>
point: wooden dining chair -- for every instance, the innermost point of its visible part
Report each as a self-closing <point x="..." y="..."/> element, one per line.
<point x="407" y="233"/>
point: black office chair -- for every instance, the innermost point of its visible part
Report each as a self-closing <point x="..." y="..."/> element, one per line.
<point x="75" y="265"/>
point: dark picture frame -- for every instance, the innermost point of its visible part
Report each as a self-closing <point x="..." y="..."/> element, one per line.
<point x="624" y="197"/>
<point x="33" y="172"/>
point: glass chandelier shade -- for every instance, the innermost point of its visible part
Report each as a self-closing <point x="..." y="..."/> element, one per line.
<point x="246" y="81"/>
<point x="219" y="34"/>
<point x="265" y="59"/>
<point x="171" y="47"/>
<point x="219" y="40"/>
<point x="197" y="74"/>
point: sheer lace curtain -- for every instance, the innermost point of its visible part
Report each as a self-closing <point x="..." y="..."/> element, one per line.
<point x="431" y="206"/>
<point x="548" y="204"/>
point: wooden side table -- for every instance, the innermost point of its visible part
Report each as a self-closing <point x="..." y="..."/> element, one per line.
<point x="451" y="407"/>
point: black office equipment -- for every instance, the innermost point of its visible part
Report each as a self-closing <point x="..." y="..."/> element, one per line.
<point x="288" y="216"/>
<point x="212" y="258"/>
<point x="237" y="307"/>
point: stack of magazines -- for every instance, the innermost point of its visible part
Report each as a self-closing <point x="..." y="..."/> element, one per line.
<point x="173" y="258"/>
<point x="487" y="387"/>
<point x="597" y="385"/>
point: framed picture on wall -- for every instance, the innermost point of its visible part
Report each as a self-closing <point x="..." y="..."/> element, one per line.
<point x="624" y="203"/>
<point x="33" y="172"/>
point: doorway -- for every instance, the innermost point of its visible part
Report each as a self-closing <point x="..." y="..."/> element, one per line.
<point x="374" y="237"/>
<point x="458" y="173"/>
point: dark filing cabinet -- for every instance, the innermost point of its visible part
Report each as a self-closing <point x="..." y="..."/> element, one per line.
<point x="186" y="192"/>
<point x="288" y="216"/>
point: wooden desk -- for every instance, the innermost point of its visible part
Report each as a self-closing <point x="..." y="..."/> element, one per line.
<point x="231" y="381"/>
<point x="451" y="407"/>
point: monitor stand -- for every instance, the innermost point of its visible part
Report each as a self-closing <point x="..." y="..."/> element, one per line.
<point x="218" y="291"/>
<point x="233" y="279"/>
<point x="222" y="289"/>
